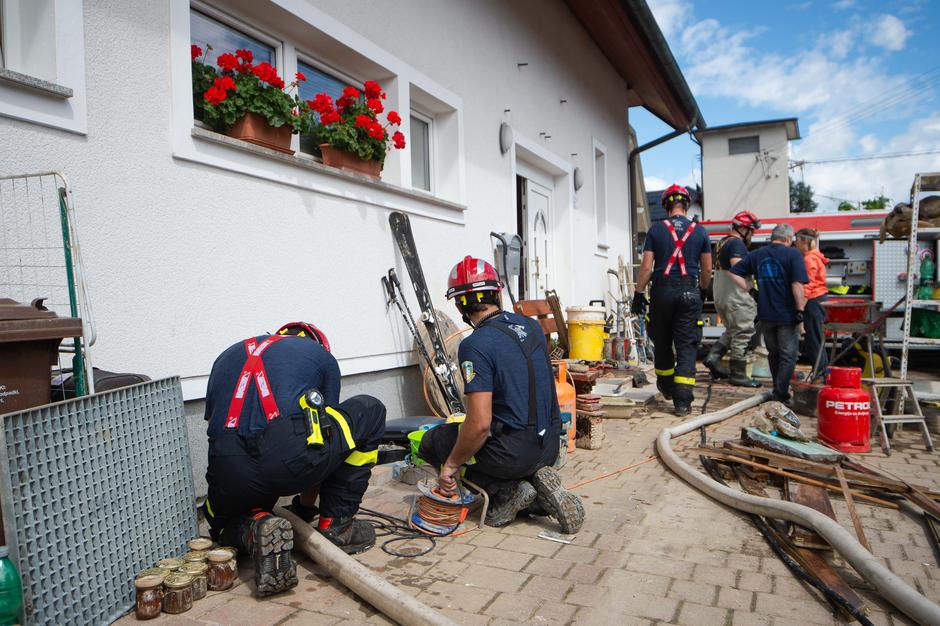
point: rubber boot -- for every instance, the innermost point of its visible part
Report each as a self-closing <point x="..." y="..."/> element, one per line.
<point x="563" y="505"/>
<point x="739" y="375"/>
<point x="269" y="540"/>
<point x="713" y="361"/>
<point x="507" y="498"/>
<point x="350" y="535"/>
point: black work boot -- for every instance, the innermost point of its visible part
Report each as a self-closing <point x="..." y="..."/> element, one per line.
<point x="666" y="390"/>
<point x="739" y="375"/>
<point x="349" y="534"/>
<point x="507" y="498"/>
<point x="681" y="409"/>
<point x="713" y="361"/>
<point x="563" y="505"/>
<point x="306" y="513"/>
<point x="269" y="540"/>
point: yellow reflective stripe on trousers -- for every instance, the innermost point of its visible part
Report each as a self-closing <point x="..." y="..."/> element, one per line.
<point x="209" y="508"/>
<point x="343" y="425"/>
<point x="362" y="458"/>
<point x="668" y="372"/>
<point x="684" y="380"/>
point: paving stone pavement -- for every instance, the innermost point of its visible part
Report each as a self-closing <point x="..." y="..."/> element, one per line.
<point x="652" y="551"/>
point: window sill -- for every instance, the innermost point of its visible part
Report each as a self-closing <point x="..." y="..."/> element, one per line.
<point x="308" y="162"/>
<point x="602" y="250"/>
<point x="34" y="84"/>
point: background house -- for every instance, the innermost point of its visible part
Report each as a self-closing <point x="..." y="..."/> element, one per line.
<point x="745" y="167"/>
<point x="193" y="240"/>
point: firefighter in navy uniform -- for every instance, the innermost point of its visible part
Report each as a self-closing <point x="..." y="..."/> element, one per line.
<point x="277" y="428"/>
<point x="677" y="258"/>
<point x="510" y="436"/>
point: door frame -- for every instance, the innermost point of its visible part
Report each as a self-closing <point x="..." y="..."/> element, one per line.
<point x="532" y="160"/>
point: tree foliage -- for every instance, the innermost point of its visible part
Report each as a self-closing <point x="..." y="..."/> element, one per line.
<point x="801" y="197"/>
<point x="878" y="203"/>
<point x="845" y="205"/>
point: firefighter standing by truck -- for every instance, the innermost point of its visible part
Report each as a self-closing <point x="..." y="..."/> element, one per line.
<point x="737" y="308"/>
<point x="677" y="260"/>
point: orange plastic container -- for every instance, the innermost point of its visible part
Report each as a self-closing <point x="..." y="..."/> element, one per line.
<point x="567" y="401"/>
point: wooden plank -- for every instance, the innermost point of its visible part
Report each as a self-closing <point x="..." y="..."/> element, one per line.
<point x="867" y="479"/>
<point x="914" y="494"/>
<point x="712" y="452"/>
<point x="531" y="308"/>
<point x="811" y="560"/>
<point x="815" y="498"/>
<point x="850" y="503"/>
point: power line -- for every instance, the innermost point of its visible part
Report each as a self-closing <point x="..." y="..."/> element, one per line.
<point x="889" y="155"/>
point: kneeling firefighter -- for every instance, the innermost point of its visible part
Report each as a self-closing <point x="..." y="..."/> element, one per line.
<point x="510" y="436"/>
<point x="277" y="428"/>
<point x="677" y="259"/>
<point x="737" y="308"/>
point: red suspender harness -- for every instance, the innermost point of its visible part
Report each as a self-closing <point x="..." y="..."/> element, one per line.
<point x="677" y="251"/>
<point x="253" y="368"/>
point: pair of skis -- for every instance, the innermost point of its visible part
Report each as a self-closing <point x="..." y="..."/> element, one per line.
<point x="437" y="358"/>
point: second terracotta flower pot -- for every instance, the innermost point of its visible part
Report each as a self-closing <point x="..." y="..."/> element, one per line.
<point x="253" y="128"/>
<point x="349" y="161"/>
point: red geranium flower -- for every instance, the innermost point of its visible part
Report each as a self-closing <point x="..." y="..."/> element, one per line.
<point x="215" y="95"/>
<point x="195" y="51"/>
<point x="394" y="118"/>
<point x="329" y="117"/>
<point x="372" y="89"/>
<point x="375" y="105"/>
<point x="300" y="76"/>
<point x="363" y="121"/>
<point x="321" y="103"/>
<point x="343" y="102"/>
<point x="376" y="131"/>
<point x="350" y="92"/>
<point x="398" y="139"/>
<point x="245" y="55"/>
<point x="226" y="83"/>
<point x="227" y="61"/>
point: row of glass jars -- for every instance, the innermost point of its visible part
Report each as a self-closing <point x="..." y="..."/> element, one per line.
<point x="174" y="583"/>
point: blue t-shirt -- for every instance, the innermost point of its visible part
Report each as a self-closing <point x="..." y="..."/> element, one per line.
<point x="659" y="241"/>
<point x="293" y="365"/>
<point x="492" y="361"/>
<point x="731" y="248"/>
<point x="776" y="267"/>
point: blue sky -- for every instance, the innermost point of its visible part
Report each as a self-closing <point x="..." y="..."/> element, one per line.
<point x="863" y="77"/>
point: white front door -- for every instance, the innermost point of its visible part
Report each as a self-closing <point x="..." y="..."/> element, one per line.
<point x="538" y="203"/>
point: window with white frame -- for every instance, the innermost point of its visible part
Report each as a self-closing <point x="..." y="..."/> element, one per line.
<point x="744" y="145"/>
<point x="421" y="145"/>
<point x="28" y="37"/>
<point x="600" y="195"/>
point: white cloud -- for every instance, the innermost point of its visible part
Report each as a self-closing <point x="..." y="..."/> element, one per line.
<point x="654" y="183"/>
<point x="889" y="32"/>
<point x="671" y="15"/>
<point x="844" y="4"/>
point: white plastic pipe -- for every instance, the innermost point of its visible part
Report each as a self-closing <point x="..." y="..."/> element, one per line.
<point x="383" y="595"/>
<point x="889" y="585"/>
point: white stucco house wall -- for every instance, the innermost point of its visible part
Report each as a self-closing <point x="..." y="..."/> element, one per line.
<point x="745" y="166"/>
<point x="192" y="241"/>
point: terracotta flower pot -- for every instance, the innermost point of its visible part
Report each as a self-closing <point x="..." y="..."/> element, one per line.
<point x="349" y="161"/>
<point x="253" y="128"/>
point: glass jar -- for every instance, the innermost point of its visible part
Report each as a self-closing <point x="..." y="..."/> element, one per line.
<point x="171" y="564"/>
<point x="222" y="569"/>
<point x="195" y="556"/>
<point x="177" y="593"/>
<point x="200" y="574"/>
<point x="151" y="571"/>
<point x="199" y="543"/>
<point x="149" y="590"/>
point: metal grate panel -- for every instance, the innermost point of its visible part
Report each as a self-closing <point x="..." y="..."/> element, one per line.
<point x="94" y="490"/>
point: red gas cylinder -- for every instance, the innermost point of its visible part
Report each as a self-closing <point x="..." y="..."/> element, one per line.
<point x="844" y="411"/>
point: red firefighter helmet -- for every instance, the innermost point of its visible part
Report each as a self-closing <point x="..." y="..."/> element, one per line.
<point x="675" y="193"/>
<point x="472" y="275"/>
<point x="746" y="219"/>
<point x="305" y="329"/>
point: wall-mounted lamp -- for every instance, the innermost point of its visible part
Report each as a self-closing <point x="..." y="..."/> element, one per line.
<point x="505" y="137"/>
<point x="578" y="178"/>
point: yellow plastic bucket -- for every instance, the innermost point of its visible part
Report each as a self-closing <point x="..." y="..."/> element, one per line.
<point x="586" y="339"/>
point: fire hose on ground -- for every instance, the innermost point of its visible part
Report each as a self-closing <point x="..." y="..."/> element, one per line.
<point x="383" y="595"/>
<point x="885" y="582"/>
